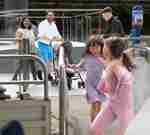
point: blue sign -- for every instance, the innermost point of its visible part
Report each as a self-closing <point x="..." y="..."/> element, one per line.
<point x="137" y="24"/>
<point x="137" y="14"/>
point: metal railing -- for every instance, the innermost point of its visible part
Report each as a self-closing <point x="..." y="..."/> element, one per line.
<point x="63" y="94"/>
<point x="24" y="57"/>
<point x="67" y="120"/>
<point x="74" y="24"/>
<point x="29" y="57"/>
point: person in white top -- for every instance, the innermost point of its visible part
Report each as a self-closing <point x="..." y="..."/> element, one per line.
<point x="24" y="31"/>
<point x="48" y="33"/>
<point x="47" y="29"/>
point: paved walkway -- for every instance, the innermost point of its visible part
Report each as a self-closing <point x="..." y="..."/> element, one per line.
<point x="78" y="107"/>
<point x="77" y="102"/>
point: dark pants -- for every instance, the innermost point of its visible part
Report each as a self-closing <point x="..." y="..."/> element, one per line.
<point x="69" y="79"/>
<point x="13" y="127"/>
<point x="33" y="69"/>
<point x="23" y="65"/>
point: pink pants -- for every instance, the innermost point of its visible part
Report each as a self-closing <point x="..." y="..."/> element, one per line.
<point x="103" y="120"/>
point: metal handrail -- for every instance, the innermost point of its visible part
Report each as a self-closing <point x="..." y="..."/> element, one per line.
<point x="127" y="37"/>
<point x="28" y="57"/>
<point x="7" y="39"/>
<point x="61" y="60"/>
<point x="55" y="10"/>
<point x="63" y="102"/>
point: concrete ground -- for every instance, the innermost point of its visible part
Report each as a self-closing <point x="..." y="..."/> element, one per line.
<point x="78" y="106"/>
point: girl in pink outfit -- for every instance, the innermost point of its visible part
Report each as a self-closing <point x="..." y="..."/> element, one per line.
<point x="117" y="83"/>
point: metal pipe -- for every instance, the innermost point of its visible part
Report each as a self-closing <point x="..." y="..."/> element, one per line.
<point x="26" y="49"/>
<point x="55" y="10"/>
<point x="63" y="102"/>
<point x="7" y="39"/>
<point x="21" y="82"/>
<point x="76" y="28"/>
<point x="86" y="14"/>
<point x="87" y="27"/>
<point x="67" y="29"/>
<point x="61" y="64"/>
<point x="38" y="17"/>
<point x="61" y="61"/>
<point x="63" y="26"/>
<point x="90" y="25"/>
<point x="70" y="37"/>
<point x="82" y="29"/>
<point x="28" y="57"/>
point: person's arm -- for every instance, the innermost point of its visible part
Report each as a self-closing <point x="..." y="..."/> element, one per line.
<point x="41" y="30"/>
<point x="19" y="37"/>
<point x="80" y="64"/>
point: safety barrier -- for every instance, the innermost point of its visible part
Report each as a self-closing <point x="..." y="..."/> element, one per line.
<point x="33" y="114"/>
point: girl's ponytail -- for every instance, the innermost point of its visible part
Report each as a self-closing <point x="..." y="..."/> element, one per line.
<point x="127" y="59"/>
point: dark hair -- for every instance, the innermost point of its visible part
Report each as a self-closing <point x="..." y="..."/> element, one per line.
<point x="118" y="48"/>
<point x="68" y="51"/>
<point x="106" y="10"/>
<point x="22" y="23"/>
<point x="94" y="40"/>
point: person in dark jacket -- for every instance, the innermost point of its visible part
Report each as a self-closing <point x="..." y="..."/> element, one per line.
<point x="110" y="24"/>
<point x="13" y="127"/>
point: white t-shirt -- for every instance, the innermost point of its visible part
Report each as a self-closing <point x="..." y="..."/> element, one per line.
<point x="48" y="30"/>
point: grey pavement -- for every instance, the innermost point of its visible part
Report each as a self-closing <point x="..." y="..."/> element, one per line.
<point x="78" y="107"/>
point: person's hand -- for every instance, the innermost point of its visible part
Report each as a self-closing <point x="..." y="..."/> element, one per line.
<point x="57" y="39"/>
<point x="71" y="65"/>
<point x="45" y="38"/>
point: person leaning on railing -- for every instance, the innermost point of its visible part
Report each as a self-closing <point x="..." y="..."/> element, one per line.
<point x="49" y="40"/>
<point x="110" y="24"/>
<point x="24" y="31"/>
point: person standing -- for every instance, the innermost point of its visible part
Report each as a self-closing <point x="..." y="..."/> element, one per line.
<point x="47" y="33"/>
<point x="25" y="31"/>
<point x="93" y="64"/>
<point x="110" y="24"/>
